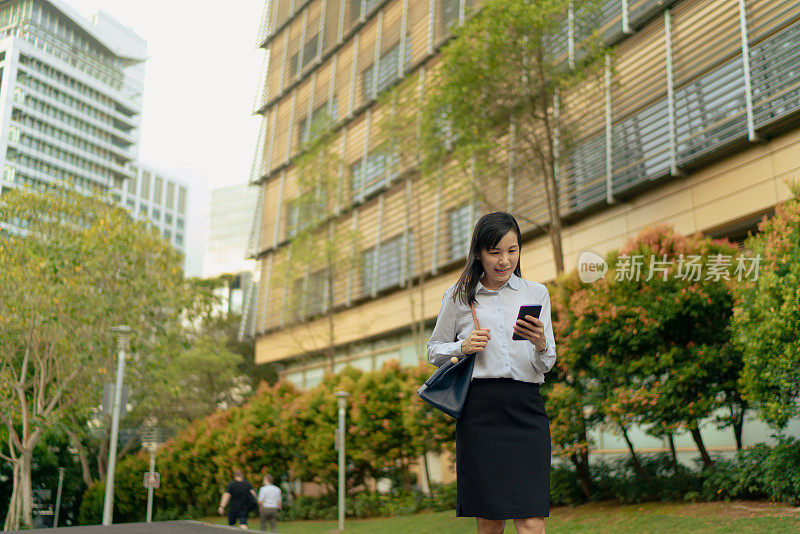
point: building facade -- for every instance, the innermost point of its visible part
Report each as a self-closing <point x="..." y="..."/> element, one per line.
<point x="161" y="200"/>
<point x="70" y="97"/>
<point x="231" y="215"/>
<point x="230" y="221"/>
<point x="696" y="125"/>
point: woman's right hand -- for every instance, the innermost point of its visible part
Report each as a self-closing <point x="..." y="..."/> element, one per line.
<point x="476" y="341"/>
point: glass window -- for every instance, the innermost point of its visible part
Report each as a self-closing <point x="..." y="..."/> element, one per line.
<point x="387" y="262"/>
<point x="355" y="9"/>
<point x="158" y="190"/>
<point x="461" y="222"/>
<point x="373" y="174"/>
<point x="156" y="215"/>
<point x="310" y="294"/>
<point x="309" y="127"/>
<point x="387" y="69"/>
<point x="292" y="217"/>
<point x="295" y="378"/>
<point x="170" y="200"/>
<point x="310" y="50"/>
<point x="178" y="223"/>
<point x="145" y="192"/>
<point x="314" y="377"/>
<point x="182" y="200"/>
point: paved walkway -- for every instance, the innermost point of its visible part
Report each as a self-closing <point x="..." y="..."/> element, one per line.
<point x="165" y="527"/>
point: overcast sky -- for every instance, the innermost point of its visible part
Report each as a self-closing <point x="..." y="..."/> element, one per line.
<point x="199" y="88"/>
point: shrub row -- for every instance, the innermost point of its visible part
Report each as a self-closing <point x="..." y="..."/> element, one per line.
<point x="758" y="472"/>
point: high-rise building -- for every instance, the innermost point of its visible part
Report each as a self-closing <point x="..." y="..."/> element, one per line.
<point x="230" y="220"/>
<point x="696" y="125"/>
<point x="230" y="223"/>
<point x="70" y="96"/>
<point x="163" y="201"/>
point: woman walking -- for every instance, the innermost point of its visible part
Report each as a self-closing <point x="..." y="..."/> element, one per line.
<point x="503" y="435"/>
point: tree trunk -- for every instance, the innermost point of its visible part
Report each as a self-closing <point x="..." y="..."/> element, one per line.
<point x="20" y="507"/>
<point x="82" y="456"/>
<point x="674" y="453"/>
<point x="583" y="475"/>
<point x="737" y="418"/>
<point x="698" y="439"/>
<point x="102" y="456"/>
<point x="555" y="223"/>
<point x="550" y="126"/>
<point x="637" y="465"/>
<point x="14" y="505"/>
<point x="426" y="472"/>
<point x="26" y="491"/>
<point x="405" y="474"/>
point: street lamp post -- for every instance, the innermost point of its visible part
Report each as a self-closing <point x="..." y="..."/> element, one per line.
<point x="124" y="332"/>
<point x="150" y="441"/>
<point x="150" y="487"/>
<point x="58" y="496"/>
<point x="341" y="397"/>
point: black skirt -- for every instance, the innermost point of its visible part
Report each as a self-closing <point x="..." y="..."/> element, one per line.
<point x="503" y="451"/>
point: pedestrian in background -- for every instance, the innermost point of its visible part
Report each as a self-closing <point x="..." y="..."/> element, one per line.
<point x="241" y="496"/>
<point x="503" y="435"/>
<point x="269" y="504"/>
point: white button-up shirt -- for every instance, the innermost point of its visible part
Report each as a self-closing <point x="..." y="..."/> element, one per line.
<point x="497" y="311"/>
<point x="269" y="496"/>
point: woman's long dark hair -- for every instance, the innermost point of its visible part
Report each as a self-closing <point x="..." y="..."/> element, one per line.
<point x="489" y="230"/>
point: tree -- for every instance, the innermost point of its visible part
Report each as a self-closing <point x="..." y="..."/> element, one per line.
<point x="77" y="266"/>
<point x="502" y="73"/>
<point x="661" y="343"/>
<point x="569" y="394"/>
<point x="768" y="314"/>
<point x="430" y="430"/>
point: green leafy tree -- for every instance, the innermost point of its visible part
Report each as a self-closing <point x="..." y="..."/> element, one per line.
<point x="429" y="429"/>
<point x="502" y="74"/>
<point x="77" y="266"/>
<point x="767" y="317"/>
<point x="662" y="346"/>
<point x="569" y="393"/>
<point x="309" y="425"/>
<point x="380" y="437"/>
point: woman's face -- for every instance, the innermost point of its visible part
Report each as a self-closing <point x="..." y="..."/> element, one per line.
<point x="500" y="262"/>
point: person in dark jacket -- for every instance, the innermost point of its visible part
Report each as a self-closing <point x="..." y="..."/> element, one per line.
<point x="241" y="496"/>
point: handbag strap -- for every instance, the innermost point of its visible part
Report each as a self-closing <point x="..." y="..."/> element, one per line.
<point x="474" y="317"/>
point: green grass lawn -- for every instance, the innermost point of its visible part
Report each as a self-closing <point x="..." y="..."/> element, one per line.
<point x="717" y="517"/>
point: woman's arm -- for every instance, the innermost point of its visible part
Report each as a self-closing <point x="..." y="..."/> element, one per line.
<point x="544" y="360"/>
<point x="443" y="343"/>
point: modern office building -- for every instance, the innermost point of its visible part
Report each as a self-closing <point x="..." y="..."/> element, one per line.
<point x="163" y="201"/>
<point x="70" y="96"/>
<point x="230" y="221"/>
<point x="232" y="211"/>
<point x="697" y="125"/>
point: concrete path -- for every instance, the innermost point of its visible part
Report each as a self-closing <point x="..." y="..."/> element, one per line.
<point x="161" y="527"/>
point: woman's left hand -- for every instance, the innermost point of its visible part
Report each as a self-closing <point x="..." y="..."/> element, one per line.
<point x="532" y="329"/>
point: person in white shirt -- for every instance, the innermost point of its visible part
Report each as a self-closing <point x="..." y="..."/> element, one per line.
<point x="503" y="435"/>
<point x="269" y="504"/>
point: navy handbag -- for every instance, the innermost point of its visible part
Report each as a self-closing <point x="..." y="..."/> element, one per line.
<point x="446" y="389"/>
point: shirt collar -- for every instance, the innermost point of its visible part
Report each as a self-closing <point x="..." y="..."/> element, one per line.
<point x="512" y="282"/>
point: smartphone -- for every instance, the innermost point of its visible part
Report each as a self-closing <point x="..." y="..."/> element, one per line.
<point x="527" y="309"/>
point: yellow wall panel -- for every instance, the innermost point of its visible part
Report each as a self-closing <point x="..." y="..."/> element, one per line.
<point x="751" y="200"/>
